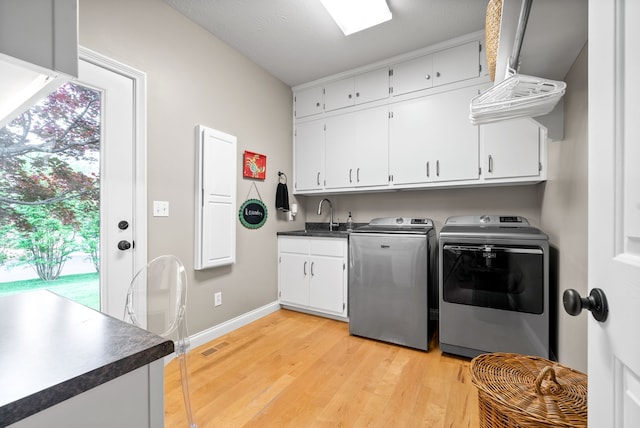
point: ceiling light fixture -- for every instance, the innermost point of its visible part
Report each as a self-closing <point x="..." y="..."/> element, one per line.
<point x="356" y="15"/>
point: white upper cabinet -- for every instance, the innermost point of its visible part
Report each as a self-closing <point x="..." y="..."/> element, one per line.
<point x="432" y="140"/>
<point x="362" y="88"/>
<point x="309" y="156"/>
<point x="440" y="68"/>
<point x="356" y="149"/>
<point x="308" y="102"/>
<point x="511" y="149"/>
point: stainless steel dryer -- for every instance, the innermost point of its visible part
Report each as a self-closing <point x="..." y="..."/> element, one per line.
<point x="392" y="281"/>
<point x="494" y="286"/>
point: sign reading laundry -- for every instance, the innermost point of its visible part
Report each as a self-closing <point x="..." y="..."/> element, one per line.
<point x="253" y="214"/>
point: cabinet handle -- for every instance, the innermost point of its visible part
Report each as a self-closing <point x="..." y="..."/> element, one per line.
<point x="428" y="76"/>
<point x="490" y="163"/>
<point x="318" y="178"/>
<point x="357" y="94"/>
<point x="304" y="269"/>
<point x="358" y="175"/>
<point x="427" y="169"/>
<point x="350" y="96"/>
<point x="317" y="104"/>
<point x="437" y="74"/>
<point x="312" y="263"/>
<point x="438" y="168"/>
<point x="350" y="171"/>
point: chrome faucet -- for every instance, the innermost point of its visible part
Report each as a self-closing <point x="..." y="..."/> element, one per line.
<point x="331" y="223"/>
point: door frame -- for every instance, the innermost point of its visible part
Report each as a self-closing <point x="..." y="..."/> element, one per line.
<point x="139" y="219"/>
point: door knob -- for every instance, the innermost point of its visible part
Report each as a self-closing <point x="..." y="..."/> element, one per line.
<point x="124" y="245"/>
<point x="596" y="303"/>
<point x="123" y="224"/>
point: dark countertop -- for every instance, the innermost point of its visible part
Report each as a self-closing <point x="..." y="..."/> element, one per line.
<point x="52" y="349"/>
<point x="321" y="230"/>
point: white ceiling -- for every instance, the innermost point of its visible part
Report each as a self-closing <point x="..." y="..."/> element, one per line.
<point x="298" y="42"/>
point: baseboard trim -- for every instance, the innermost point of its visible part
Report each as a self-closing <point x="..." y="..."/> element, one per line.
<point x="221" y="329"/>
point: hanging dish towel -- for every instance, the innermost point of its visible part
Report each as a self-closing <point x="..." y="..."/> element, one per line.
<point x="282" y="197"/>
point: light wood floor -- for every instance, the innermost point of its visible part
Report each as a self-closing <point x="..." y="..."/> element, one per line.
<point x="295" y="370"/>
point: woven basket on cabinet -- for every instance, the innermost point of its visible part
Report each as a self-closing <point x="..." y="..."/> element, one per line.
<point x="518" y="391"/>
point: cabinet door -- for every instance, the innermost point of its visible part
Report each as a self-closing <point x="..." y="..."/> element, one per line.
<point x="340" y="151"/>
<point x="372" y="86"/>
<point x="411" y="153"/>
<point x="413" y="75"/>
<point x="326" y="286"/>
<point x="338" y="94"/>
<point x="371" y="157"/>
<point x="456" y="64"/>
<point x="293" y="278"/>
<point x="454" y="138"/>
<point x="511" y="149"/>
<point x="309" y="155"/>
<point x="308" y="102"/>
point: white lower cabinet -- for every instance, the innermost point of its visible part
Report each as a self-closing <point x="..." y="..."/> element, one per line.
<point x="312" y="274"/>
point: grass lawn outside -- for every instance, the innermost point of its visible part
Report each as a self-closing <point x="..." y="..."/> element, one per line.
<point x="82" y="288"/>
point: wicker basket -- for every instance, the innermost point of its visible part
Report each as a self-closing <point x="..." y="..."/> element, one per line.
<point x="492" y="34"/>
<point x="517" y="391"/>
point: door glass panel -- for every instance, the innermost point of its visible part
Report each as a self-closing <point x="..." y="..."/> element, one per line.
<point x="510" y="278"/>
<point x="50" y="197"/>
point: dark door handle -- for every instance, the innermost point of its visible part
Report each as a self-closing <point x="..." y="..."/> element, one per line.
<point x="124" y="245"/>
<point x="123" y="225"/>
<point x="596" y="303"/>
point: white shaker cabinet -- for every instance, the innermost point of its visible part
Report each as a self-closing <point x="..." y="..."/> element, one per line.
<point x="432" y="140"/>
<point x="312" y="274"/>
<point x="356" y="149"/>
<point x="309" y="156"/>
<point x="512" y="149"/>
<point x="361" y="88"/>
<point x="439" y="68"/>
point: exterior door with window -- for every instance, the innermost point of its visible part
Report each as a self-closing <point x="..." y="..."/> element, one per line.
<point x="122" y="194"/>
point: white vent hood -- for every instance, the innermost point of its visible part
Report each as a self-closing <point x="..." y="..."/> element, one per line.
<point x="38" y="51"/>
<point x="540" y="38"/>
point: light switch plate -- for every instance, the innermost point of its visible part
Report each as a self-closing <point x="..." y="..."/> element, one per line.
<point x="161" y="208"/>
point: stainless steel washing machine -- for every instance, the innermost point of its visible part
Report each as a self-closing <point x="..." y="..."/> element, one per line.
<point x="494" y="286"/>
<point x="392" y="281"/>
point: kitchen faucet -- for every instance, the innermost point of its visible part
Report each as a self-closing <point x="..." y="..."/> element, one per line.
<point x="331" y="223"/>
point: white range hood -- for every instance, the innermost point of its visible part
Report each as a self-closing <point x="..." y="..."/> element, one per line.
<point x="38" y="51"/>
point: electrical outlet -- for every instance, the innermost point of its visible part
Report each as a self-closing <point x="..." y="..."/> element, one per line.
<point x="218" y="298"/>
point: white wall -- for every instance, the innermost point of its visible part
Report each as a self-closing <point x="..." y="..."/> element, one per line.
<point x="564" y="212"/>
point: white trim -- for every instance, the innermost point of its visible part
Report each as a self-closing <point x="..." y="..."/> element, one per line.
<point x="139" y="79"/>
<point x="221" y="329"/>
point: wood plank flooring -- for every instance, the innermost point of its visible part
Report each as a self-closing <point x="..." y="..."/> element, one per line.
<point x="290" y="369"/>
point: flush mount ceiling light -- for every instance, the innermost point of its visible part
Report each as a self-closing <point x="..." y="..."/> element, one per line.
<point x="356" y="15"/>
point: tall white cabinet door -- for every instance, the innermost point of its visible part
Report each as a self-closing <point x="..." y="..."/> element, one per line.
<point x="456" y="64"/>
<point x="326" y="287"/>
<point x="455" y="138"/>
<point x="510" y="149"/>
<point x="215" y="199"/>
<point x="371" y="157"/>
<point x="309" y="155"/>
<point x="340" y="151"/>
<point x="411" y="156"/>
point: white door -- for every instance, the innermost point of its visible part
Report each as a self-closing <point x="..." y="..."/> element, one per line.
<point x="614" y="211"/>
<point x="122" y="194"/>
